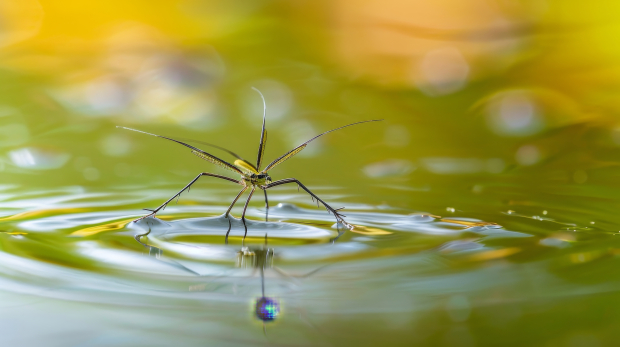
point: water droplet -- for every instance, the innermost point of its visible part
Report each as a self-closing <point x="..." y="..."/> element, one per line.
<point x="267" y="309"/>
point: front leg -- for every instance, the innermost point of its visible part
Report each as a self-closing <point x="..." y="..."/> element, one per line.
<point x="230" y="208"/>
<point x="245" y="207"/>
<point x="163" y="206"/>
<point x="334" y="211"/>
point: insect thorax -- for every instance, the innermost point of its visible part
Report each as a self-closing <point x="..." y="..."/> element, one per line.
<point x="257" y="179"/>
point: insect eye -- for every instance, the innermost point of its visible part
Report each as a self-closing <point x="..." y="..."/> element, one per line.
<point x="261" y="176"/>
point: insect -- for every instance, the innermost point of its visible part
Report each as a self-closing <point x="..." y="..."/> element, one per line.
<point x="252" y="177"/>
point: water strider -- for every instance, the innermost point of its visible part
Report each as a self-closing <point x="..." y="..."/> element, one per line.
<point x="251" y="176"/>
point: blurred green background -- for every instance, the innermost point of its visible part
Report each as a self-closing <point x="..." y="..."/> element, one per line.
<point x="476" y="88"/>
<point x="502" y="116"/>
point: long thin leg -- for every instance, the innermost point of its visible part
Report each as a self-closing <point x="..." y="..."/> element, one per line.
<point x="162" y="206"/>
<point x="137" y="237"/>
<point x="266" y="207"/>
<point x="230" y="208"/>
<point x="334" y="211"/>
<point x="244" y="209"/>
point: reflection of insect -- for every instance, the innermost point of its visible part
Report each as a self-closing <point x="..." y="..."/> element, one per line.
<point x="266" y="308"/>
<point x="251" y="176"/>
<point x="257" y="259"/>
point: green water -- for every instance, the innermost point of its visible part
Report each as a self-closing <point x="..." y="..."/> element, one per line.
<point x="485" y="209"/>
<point x="462" y="269"/>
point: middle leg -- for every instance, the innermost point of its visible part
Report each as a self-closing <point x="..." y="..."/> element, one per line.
<point x="334" y="211"/>
<point x="163" y="206"/>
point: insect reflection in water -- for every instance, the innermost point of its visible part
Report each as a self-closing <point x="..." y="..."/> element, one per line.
<point x="266" y="309"/>
<point x="257" y="258"/>
<point x="252" y="176"/>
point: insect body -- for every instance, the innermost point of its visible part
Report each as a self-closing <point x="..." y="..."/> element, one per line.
<point x="257" y="179"/>
<point x="252" y="177"/>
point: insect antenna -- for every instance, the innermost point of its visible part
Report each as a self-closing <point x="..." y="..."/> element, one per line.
<point x="263" y="134"/>
<point x="239" y="158"/>
<point x="212" y="145"/>
<point x="299" y="148"/>
<point x="197" y="151"/>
